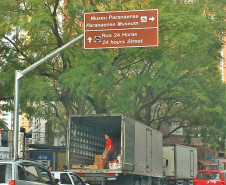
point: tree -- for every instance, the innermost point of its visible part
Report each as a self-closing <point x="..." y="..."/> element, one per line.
<point x="3" y="125"/>
<point x="173" y="82"/>
<point x="179" y="81"/>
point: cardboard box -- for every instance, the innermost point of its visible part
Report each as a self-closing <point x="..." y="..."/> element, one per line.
<point x="76" y="166"/>
<point x="94" y="167"/>
<point x="86" y="167"/>
<point x="100" y="166"/>
<point x="101" y="159"/>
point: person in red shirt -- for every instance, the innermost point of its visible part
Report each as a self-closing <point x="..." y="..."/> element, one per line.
<point x="109" y="148"/>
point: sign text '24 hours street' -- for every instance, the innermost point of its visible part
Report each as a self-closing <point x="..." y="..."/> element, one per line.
<point x="121" y="29"/>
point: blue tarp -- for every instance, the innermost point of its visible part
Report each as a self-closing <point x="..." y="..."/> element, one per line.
<point x="209" y="158"/>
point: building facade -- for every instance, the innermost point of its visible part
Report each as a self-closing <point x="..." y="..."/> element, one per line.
<point x="38" y="128"/>
<point x="6" y="144"/>
<point x="23" y="142"/>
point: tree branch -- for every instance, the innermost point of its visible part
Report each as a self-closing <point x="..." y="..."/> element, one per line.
<point x="17" y="49"/>
<point x="96" y="107"/>
<point x="58" y="115"/>
<point x="7" y="98"/>
<point x="151" y="102"/>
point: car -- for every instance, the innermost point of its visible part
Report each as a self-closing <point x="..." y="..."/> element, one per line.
<point x="24" y="172"/>
<point x="67" y="178"/>
<point x="210" y="177"/>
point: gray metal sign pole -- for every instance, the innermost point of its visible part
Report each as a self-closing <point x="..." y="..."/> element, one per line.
<point x="18" y="76"/>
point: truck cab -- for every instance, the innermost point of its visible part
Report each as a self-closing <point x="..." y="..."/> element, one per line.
<point x="67" y="178"/>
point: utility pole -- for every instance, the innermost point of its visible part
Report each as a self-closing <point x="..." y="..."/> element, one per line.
<point x="18" y="76"/>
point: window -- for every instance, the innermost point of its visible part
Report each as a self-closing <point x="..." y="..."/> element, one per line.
<point x="175" y="125"/>
<point x="5" y="173"/>
<point x="76" y="180"/>
<point x="37" y="122"/>
<point x="203" y="175"/>
<point x="65" y="179"/>
<point x="21" y="173"/>
<point x="45" y="176"/>
<point x="31" y="173"/>
<point x="224" y="175"/>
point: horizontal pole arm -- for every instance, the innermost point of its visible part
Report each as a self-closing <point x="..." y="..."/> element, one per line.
<point x="51" y="55"/>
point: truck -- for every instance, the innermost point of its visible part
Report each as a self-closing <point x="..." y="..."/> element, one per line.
<point x="139" y="147"/>
<point x="179" y="164"/>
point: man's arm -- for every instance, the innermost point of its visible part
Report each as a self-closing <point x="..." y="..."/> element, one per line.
<point x="107" y="150"/>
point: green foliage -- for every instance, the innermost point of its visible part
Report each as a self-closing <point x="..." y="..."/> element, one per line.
<point x="3" y="125"/>
<point x="175" y="82"/>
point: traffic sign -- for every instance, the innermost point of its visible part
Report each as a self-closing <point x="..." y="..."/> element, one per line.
<point x="119" y="29"/>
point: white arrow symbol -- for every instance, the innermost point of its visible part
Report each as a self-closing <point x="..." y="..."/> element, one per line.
<point x="89" y="39"/>
<point x="151" y="19"/>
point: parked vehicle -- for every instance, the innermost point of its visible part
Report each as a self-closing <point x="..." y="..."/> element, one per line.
<point x="68" y="178"/>
<point x="139" y="148"/>
<point x="210" y="177"/>
<point x="180" y="164"/>
<point x="24" y="172"/>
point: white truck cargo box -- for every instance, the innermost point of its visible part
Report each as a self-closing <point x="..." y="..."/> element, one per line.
<point x="180" y="161"/>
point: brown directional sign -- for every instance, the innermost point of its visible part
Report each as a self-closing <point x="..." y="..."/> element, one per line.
<point x="121" y="29"/>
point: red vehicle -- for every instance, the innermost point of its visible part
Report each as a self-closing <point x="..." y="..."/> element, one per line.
<point x="210" y="177"/>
